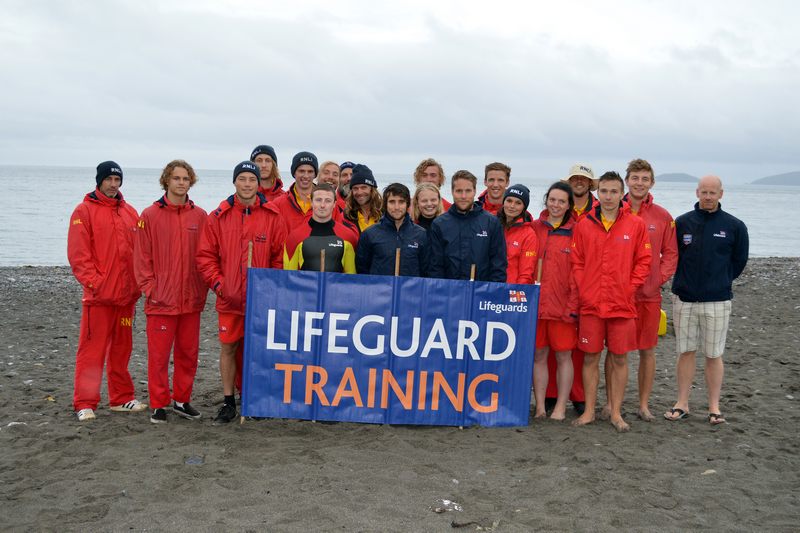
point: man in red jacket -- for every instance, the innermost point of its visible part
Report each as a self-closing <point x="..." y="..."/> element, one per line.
<point x="100" y="251"/>
<point x="661" y="229"/>
<point x="295" y="205"/>
<point x="245" y="230"/>
<point x="166" y="271"/>
<point x="610" y="261"/>
<point x="271" y="185"/>
<point x="496" y="178"/>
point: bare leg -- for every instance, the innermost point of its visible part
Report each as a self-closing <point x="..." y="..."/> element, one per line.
<point x="540" y="379"/>
<point x="714" y="371"/>
<point x="647" y="371"/>
<point x="685" y="376"/>
<point x="564" y="376"/>
<point x="608" y="371"/>
<point x="227" y="366"/>
<point x="591" y="378"/>
<point x="618" y="381"/>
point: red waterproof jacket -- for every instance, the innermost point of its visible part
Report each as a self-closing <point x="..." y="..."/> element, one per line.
<point x="661" y="229"/>
<point x="558" y="296"/>
<point x="166" y="248"/>
<point x="274" y="192"/>
<point x="521" y="250"/>
<point x="222" y="256"/>
<point x="608" y="267"/>
<point x="100" y="241"/>
<point x="294" y="217"/>
<point x="488" y="206"/>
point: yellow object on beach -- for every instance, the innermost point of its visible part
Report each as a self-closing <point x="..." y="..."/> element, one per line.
<point x="662" y="324"/>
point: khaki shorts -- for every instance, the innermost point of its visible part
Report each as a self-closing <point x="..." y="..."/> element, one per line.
<point x="701" y="326"/>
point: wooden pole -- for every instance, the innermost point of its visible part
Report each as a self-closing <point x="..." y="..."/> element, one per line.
<point x="472" y="272"/>
<point x="322" y="260"/>
<point x="249" y="254"/>
<point x="397" y="262"/>
<point x="539" y="272"/>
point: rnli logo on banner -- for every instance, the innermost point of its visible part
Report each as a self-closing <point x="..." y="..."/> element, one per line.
<point x="687" y="239"/>
<point x="517" y="296"/>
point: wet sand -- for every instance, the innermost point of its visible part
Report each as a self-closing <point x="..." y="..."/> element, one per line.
<point x="122" y="473"/>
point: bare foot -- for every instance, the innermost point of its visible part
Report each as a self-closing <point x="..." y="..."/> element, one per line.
<point x="619" y="424"/>
<point x="605" y="413"/>
<point x="585" y="418"/>
<point x="540" y="414"/>
<point x="558" y="415"/>
<point x="645" y="415"/>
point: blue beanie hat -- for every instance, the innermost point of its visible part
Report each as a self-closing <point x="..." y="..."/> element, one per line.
<point x="246" y="166"/>
<point x="264" y="149"/>
<point x="519" y="191"/>
<point x="362" y="175"/>
<point x="347" y="164"/>
<point x="106" y="169"/>
<point x="305" y="158"/>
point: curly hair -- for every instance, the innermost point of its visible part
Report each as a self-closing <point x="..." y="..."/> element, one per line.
<point x="172" y="165"/>
<point x="638" y="165"/>
<point x="425" y="163"/>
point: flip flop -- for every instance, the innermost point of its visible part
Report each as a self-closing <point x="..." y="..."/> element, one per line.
<point x="672" y="412"/>
<point x="716" y="419"/>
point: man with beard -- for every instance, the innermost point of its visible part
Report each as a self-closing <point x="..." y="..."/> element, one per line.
<point x="363" y="206"/>
<point x="377" y="248"/>
<point x="271" y="186"/>
<point x="100" y="251"/>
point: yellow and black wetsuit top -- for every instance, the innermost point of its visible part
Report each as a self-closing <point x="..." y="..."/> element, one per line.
<point x="304" y="244"/>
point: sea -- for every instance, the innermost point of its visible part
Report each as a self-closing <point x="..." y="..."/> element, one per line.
<point x="36" y="204"/>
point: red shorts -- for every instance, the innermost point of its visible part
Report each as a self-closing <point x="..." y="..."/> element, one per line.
<point x="559" y="336"/>
<point x="647" y="320"/>
<point x="231" y="327"/>
<point x="619" y="334"/>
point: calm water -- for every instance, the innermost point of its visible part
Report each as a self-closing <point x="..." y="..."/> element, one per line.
<point x="36" y="204"/>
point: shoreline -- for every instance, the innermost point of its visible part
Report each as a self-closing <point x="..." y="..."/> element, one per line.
<point x="121" y="472"/>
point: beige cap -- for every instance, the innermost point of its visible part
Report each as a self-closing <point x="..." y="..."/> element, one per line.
<point x="580" y="169"/>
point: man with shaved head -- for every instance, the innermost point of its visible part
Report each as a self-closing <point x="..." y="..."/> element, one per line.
<point x="712" y="251"/>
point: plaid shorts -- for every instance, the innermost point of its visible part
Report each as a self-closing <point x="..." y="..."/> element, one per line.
<point x="701" y="326"/>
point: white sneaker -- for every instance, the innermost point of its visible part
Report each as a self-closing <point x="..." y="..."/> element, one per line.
<point x="133" y="406"/>
<point x="85" y="414"/>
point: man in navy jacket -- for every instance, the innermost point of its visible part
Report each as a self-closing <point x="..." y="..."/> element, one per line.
<point x="713" y="247"/>
<point x="467" y="235"/>
<point x="377" y="248"/>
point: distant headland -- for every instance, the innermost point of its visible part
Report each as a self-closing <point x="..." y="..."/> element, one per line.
<point x="789" y="178"/>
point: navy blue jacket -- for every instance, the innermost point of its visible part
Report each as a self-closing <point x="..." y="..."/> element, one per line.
<point x="459" y="240"/>
<point x="379" y="243"/>
<point x="712" y="252"/>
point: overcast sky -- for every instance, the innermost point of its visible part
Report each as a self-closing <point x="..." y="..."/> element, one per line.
<point x="694" y="87"/>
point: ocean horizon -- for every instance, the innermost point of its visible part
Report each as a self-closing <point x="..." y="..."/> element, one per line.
<point x="34" y="221"/>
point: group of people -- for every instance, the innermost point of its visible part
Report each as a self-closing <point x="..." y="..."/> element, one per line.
<point x="600" y="262"/>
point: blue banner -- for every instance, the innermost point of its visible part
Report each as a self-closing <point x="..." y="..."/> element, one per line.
<point x="388" y="350"/>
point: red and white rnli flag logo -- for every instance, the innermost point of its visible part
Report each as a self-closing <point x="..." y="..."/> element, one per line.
<point x="517" y="296"/>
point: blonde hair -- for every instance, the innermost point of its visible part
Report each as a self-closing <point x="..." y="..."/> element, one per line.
<point x="425" y="163"/>
<point x="426" y="186"/>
